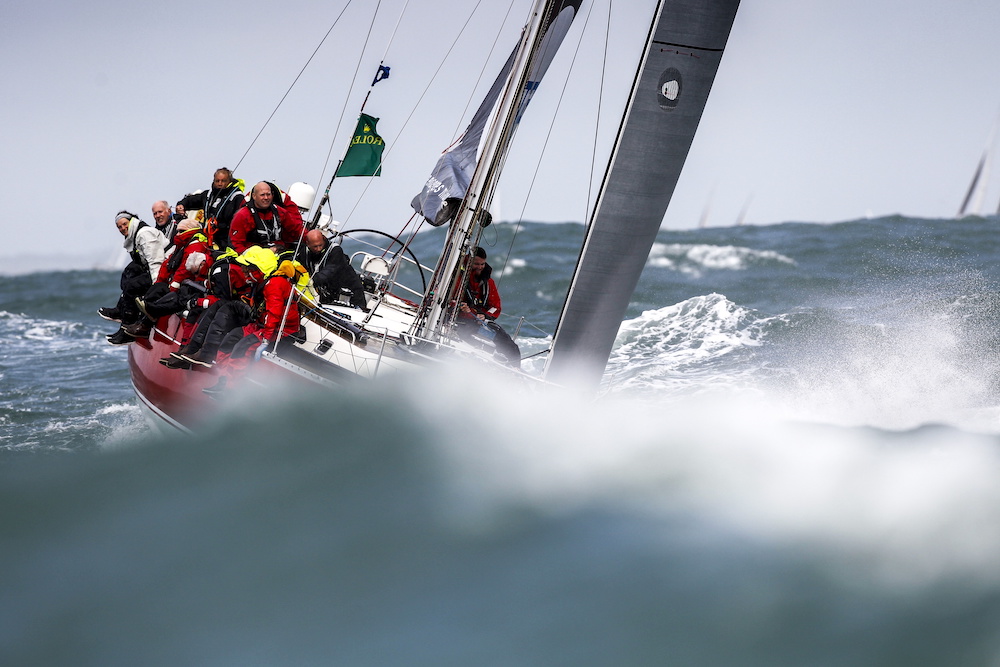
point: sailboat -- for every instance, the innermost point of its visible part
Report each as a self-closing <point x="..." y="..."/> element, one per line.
<point x="972" y="203"/>
<point x="410" y="320"/>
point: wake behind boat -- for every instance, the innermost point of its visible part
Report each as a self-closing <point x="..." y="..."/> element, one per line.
<point x="413" y="314"/>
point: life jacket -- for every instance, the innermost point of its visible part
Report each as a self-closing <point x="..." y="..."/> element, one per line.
<point x="227" y="194"/>
<point x="134" y="253"/>
<point x="296" y="271"/>
<point x="181" y="242"/>
<point x="265" y="232"/>
<point x="227" y="279"/>
<point x="478" y="296"/>
<point x="215" y="206"/>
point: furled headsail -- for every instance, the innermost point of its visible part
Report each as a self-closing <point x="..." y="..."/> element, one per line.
<point x="453" y="172"/>
<point x="683" y="51"/>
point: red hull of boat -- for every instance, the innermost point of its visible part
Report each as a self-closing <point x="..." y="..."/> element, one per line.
<point x="173" y="395"/>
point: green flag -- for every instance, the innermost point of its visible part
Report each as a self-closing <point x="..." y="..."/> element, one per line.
<point x="364" y="157"/>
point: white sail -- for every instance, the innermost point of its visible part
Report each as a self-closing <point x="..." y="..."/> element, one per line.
<point x="685" y="45"/>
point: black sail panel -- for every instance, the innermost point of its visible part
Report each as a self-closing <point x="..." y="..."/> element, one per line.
<point x="670" y="91"/>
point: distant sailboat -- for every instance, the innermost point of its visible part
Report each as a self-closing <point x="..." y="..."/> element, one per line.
<point x="972" y="204"/>
<point x="743" y="211"/>
<point x="703" y="221"/>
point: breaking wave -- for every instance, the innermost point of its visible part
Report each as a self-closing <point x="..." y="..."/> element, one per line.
<point x="698" y="258"/>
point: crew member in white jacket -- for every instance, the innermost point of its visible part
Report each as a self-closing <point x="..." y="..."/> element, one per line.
<point x="145" y="244"/>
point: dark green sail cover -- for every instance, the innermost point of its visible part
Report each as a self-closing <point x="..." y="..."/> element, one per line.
<point x="685" y="46"/>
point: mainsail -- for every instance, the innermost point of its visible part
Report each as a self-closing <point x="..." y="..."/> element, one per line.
<point x="683" y="51"/>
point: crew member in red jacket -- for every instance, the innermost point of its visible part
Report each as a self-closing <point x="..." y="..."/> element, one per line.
<point x="270" y="220"/>
<point x="480" y="306"/>
<point x="225" y="306"/>
<point x="276" y="315"/>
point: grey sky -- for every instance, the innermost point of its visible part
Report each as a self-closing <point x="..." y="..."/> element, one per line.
<point x="821" y="111"/>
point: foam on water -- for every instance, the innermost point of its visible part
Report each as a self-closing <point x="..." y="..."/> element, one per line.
<point x="896" y="359"/>
<point x="432" y="518"/>
<point x="679" y="346"/>
<point x="906" y="511"/>
<point x="695" y="259"/>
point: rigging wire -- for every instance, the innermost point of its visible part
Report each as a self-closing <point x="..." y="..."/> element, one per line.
<point x="490" y="181"/>
<point x="457" y="134"/>
<point x="600" y="100"/>
<point x="434" y="77"/>
<point x="548" y="134"/>
<point x="357" y="69"/>
<point x="343" y="109"/>
<point x="296" y="80"/>
<point x="355" y="78"/>
<point x="298" y="244"/>
<point x="482" y="72"/>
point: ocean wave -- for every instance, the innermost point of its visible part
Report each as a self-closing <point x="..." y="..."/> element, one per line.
<point x="869" y="500"/>
<point x="694" y="259"/>
<point x="513" y="265"/>
<point x="14" y="326"/>
<point x="678" y="345"/>
<point x="458" y="510"/>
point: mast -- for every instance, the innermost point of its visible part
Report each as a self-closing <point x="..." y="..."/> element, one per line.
<point x="683" y="50"/>
<point x="547" y="25"/>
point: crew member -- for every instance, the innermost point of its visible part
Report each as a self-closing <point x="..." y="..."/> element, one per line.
<point x="218" y="206"/>
<point x="180" y="280"/>
<point x="275" y="315"/>
<point x="331" y="271"/>
<point x="480" y="306"/>
<point x="230" y="289"/>
<point x="270" y="220"/>
<point x="165" y="221"/>
<point x="145" y="245"/>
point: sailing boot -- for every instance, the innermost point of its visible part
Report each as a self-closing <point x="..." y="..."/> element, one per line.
<point x="110" y="314"/>
<point x="175" y="363"/>
<point x="140" y="329"/>
<point x="120" y="337"/>
<point x="142" y="307"/>
<point x="183" y="350"/>
<point x="202" y="358"/>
